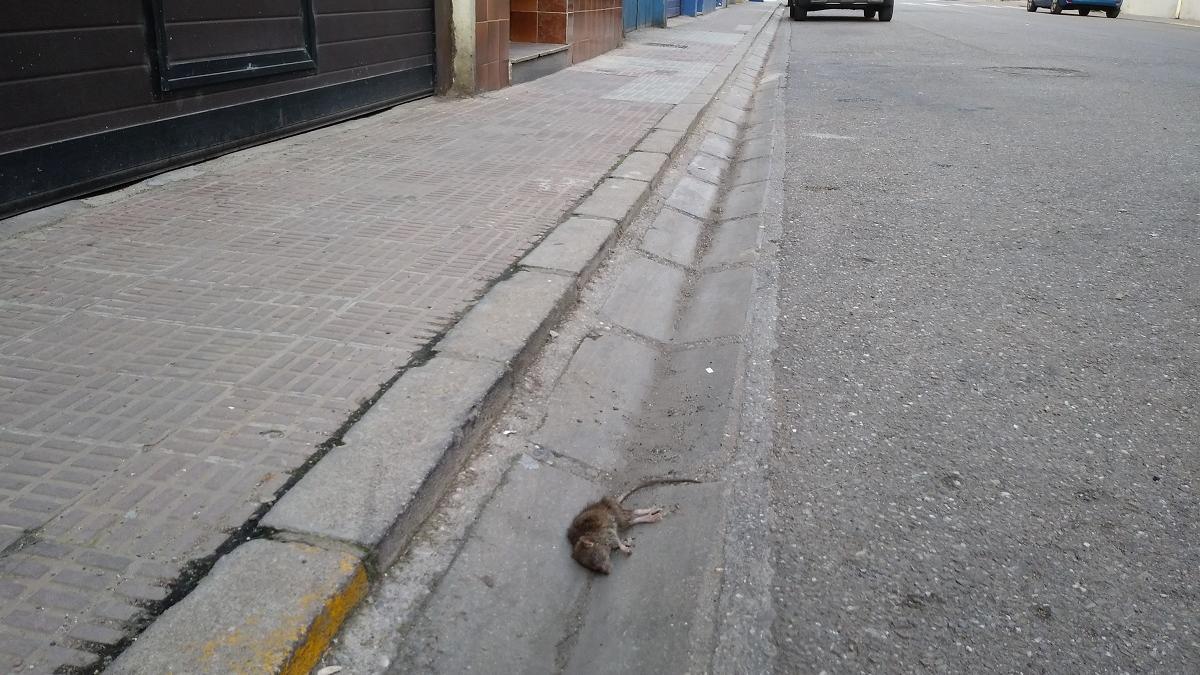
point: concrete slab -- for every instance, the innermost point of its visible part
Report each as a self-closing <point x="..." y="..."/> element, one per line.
<point x="673" y="236"/>
<point x="718" y="146"/>
<point x="737" y="97"/>
<point x="575" y="247"/>
<point x="672" y="561"/>
<point x="744" y="200"/>
<point x="661" y="140"/>
<point x="681" y="118"/>
<point x="759" y="130"/>
<point x="696" y="397"/>
<point x="373" y="490"/>
<point x="643" y="298"/>
<point x="752" y="171"/>
<point x="733" y="242"/>
<point x="708" y="168"/>
<point x="504" y="322"/>
<point x="641" y="166"/>
<point x="509" y="598"/>
<point x="712" y="82"/>
<point x="9" y="535"/>
<point x="723" y="127"/>
<point x="757" y="147"/>
<point x="37" y="219"/>
<point x="694" y="196"/>
<point x="728" y="112"/>
<point x="267" y="607"/>
<point x="595" y="401"/>
<point x="718" y="306"/>
<point x="615" y="199"/>
<point x="760" y="114"/>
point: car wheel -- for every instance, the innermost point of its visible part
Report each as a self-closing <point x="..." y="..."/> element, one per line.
<point x="1112" y="13"/>
<point x="869" y="13"/>
<point x="1084" y="12"/>
<point x="1055" y="7"/>
<point x="799" y="10"/>
<point x="885" y="12"/>
<point x="1030" y="6"/>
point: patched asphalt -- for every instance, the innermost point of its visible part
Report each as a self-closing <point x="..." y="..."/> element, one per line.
<point x="986" y="378"/>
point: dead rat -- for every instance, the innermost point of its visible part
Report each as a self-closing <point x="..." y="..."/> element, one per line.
<point x="596" y="531"/>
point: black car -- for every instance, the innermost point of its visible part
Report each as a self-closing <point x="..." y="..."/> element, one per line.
<point x="801" y="8"/>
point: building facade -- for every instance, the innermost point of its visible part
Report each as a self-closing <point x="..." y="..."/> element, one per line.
<point x="97" y="94"/>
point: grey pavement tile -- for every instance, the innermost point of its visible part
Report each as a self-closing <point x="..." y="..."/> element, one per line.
<point x="718" y="306"/>
<point x="641" y="166"/>
<point x="538" y="582"/>
<point x="506" y="319"/>
<point x="573" y="247"/>
<point x="643" y="298"/>
<point x="615" y="199"/>
<point x="694" y="197"/>
<point x="708" y="168"/>
<point x="744" y="200"/>
<point x="733" y="242"/>
<point x="673" y="236"/>
<point x="718" y="146"/>
<point x="608" y="377"/>
<point x="752" y="171"/>
<point x="661" y="140"/>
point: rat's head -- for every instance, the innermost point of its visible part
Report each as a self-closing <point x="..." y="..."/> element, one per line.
<point x="592" y="555"/>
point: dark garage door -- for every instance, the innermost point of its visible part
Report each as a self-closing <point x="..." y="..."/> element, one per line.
<point x="672" y="8"/>
<point x="98" y="93"/>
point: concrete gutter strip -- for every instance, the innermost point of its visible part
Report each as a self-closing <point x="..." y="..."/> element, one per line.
<point x="273" y="605"/>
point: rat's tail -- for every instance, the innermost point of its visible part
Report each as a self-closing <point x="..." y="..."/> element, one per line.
<point x="657" y="481"/>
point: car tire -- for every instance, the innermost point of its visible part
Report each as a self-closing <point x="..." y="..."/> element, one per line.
<point x="885" y="12"/>
<point x="1112" y="13"/>
<point x="1084" y="12"/>
<point x="1030" y="6"/>
<point x="869" y="13"/>
<point x="1055" y="7"/>
<point x="799" y="10"/>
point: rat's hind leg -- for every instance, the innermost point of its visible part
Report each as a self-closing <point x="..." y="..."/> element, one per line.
<point x="647" y="516"/>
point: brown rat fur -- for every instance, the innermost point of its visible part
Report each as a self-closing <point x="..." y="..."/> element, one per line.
<point x="596" y="531"/>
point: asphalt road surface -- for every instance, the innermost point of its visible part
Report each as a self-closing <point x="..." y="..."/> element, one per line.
<point x="988" y="357"/>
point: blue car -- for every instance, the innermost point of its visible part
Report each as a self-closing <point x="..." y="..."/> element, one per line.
<point x="1111" y="8"/>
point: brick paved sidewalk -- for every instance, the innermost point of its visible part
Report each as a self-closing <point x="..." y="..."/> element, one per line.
<point x="169" y="357"/>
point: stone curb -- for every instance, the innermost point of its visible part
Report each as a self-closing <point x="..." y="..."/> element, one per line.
<point x="223" y="626"/>
<point x="272" y="605"/>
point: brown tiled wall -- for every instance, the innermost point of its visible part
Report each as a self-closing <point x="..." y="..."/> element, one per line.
<point x="491" y="44"/>
<point x="524" y="21"/>
<point x="539" y="21"/>
<point x="593" y="27"/>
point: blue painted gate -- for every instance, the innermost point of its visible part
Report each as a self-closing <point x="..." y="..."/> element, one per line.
<point x="673" y="8"/>
<point x="641" y="13"/>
